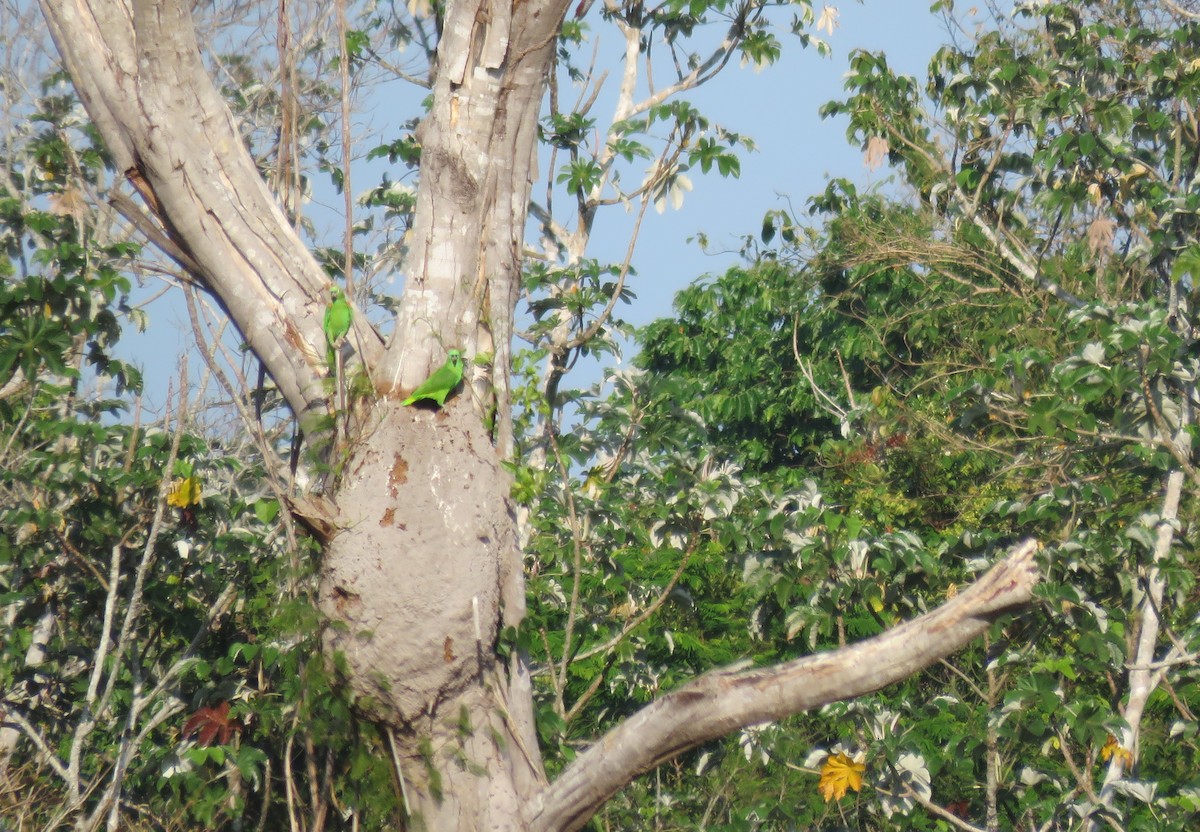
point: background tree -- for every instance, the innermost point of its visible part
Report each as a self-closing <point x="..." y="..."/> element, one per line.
<point x="1004" y="350"/>
<point x="1044" y="163"/>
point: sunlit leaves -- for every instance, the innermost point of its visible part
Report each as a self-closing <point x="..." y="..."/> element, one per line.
<point x="580" y="176"/>
<point x="760" y="49"/>
<point x="671" y="188"/>
<point x="900" y="783"/>
<point x="405" y="149"/>
<point x="629" y="150"/>
<point x="73" y="293"/>
<point x="581" y="293"/>
<point x="828" y="20"/>
<point x="900" y="369"/>
<point x="707" y="153"/>
<point x="82" y="531"/>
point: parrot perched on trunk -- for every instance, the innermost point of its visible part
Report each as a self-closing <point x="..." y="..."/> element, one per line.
<point x="443" y="380"/>
<point x="337" y="320"/>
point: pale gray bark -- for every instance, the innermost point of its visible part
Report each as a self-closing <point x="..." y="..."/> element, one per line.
<point x="35" y="656"/>
<point x="137" y="68"/>
<point x="478" y="144"/>
<point x="1144" y="674"/>
<point x="434" y="555"/>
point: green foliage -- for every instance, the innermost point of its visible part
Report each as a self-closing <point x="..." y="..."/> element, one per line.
<point x="814" y="447"/>
<point x="158" y="608"/>
<point x="730" y="352"/>
<point x="848" y="431"/>
<point x="211" y="624"/>
<point x="62" y="290"/>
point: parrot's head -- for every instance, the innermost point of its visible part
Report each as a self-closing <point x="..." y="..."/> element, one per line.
<point x="335" y="292"/>
<point x="454" y="356"/>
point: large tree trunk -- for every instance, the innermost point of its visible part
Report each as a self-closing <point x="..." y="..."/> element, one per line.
<point x="415" y="583"/>
<point x="477" y="165"/>
<point x="426" y="549"/>
<point x="428" y="568"/>
<point x="424" y="568"/>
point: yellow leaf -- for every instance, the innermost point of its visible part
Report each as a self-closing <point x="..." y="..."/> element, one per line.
<point x="184" y="492"/>
<point x="1112" y="749"/>
<point x="839" y="774"/>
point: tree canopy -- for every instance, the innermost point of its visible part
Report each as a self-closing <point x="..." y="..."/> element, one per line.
<point x="751" y="583"/>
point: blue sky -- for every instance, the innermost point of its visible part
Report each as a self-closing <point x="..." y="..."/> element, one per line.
<point x="797" y="152"/>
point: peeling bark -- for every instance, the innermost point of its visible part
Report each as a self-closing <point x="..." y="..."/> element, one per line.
<point x="477" y="164"/>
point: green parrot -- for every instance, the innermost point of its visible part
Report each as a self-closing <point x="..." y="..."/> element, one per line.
<point x="337" y="320"/>
<point x="438" y="386"/>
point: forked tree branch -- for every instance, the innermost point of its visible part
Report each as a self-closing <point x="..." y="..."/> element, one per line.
<point x="138" y="69"/>
<point x="722" y="701"/>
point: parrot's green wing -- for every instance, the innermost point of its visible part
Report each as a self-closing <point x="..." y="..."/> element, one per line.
<point x="337" y="320"/>
<point x="444" y="379"/>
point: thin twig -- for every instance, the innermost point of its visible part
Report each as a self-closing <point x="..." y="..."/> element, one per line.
<point x="1160" y="423"/>
<point x="649" y="611"/>
<point x="603" y="317"/>
<point x="347" y="191"/>
<point x="391" y="735"/>
<point x="577" y="549"/>
<point x="951" y="818"/>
